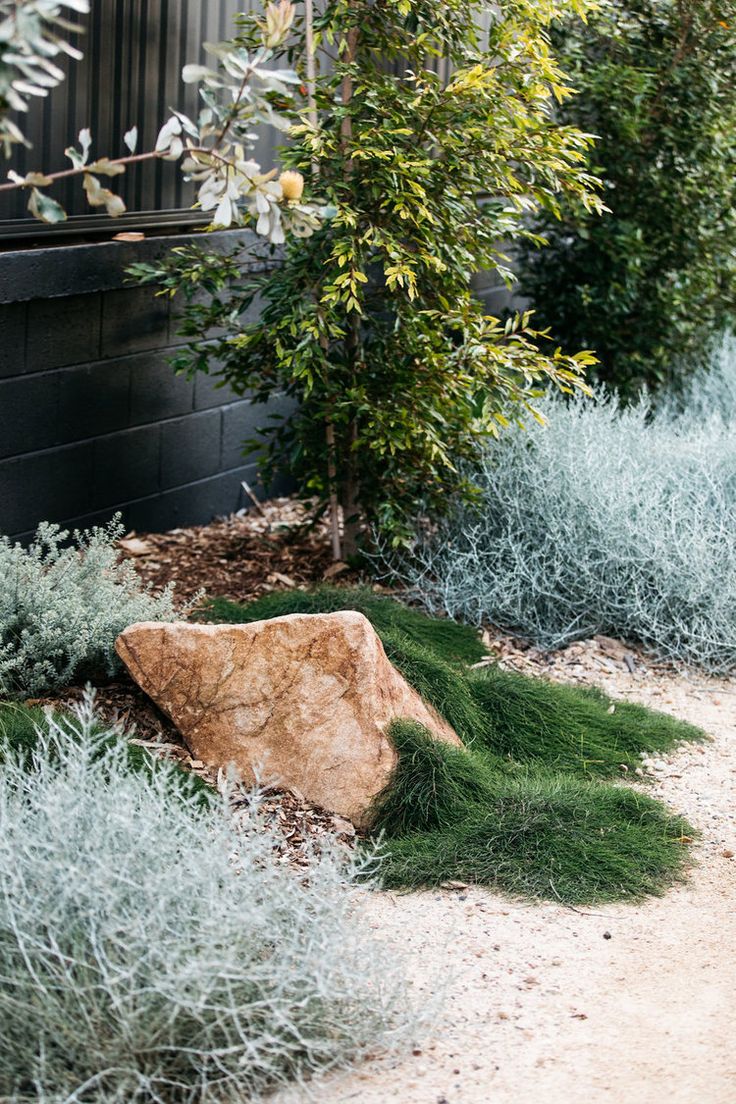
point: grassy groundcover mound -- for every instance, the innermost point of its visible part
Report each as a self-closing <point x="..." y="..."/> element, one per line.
<point x="524" y="807"/>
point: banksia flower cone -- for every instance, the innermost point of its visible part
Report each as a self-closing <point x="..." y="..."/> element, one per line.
<point x="292" y="185"/>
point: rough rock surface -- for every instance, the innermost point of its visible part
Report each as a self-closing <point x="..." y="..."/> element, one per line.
<point x="302" y="701"/>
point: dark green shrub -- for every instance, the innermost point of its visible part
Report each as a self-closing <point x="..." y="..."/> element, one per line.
<point x="647" y="285"/>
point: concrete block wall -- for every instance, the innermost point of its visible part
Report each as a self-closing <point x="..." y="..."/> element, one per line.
<point x="92" y="417"/>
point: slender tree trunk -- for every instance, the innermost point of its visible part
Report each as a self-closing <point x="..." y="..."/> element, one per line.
<point x="334" y="508"/>
<point x="350" y="485"/>
<point x="352" y="514"/>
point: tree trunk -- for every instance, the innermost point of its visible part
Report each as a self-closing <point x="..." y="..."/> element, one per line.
<point x="334" y="509"/>
<point x="351" y="511"/>
<point x="352" y="514"/>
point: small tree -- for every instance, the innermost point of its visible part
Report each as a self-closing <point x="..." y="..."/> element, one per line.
<point x="649" y="284"/>
<point x="372" y="325"/>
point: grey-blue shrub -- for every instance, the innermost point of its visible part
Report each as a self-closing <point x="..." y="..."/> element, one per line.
<point x="605" y="520"/>
<point x="149" y="952"/>
<point x="63" y="604"/>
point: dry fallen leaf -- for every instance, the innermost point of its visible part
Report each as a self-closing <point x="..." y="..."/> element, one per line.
<point x="279" y="577"/>
<point x="335" y="569"/>
<point x="134" y="546"/>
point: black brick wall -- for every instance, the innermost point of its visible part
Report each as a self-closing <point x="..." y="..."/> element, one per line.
<point x="92" y="418"/>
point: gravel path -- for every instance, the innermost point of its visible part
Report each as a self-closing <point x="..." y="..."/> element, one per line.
<point x="548" y="1005"/>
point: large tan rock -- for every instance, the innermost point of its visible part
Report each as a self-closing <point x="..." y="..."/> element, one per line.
<point x="304" y="701"/>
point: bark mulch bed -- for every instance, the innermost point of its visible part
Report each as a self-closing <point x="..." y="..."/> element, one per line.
<point x="271" y="546"/>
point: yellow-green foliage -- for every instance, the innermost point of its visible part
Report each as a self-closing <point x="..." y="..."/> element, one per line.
<point x="372" y="323"/>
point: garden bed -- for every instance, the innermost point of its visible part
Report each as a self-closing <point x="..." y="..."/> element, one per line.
<point x="271" y="546"/>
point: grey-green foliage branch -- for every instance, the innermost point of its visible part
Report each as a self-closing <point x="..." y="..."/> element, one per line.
<point x="372" y="325"/>
<point x="238" y="92"/>
<point x="33" y="34"/>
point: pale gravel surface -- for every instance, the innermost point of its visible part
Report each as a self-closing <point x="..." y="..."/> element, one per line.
<point x="541" y="1007"/>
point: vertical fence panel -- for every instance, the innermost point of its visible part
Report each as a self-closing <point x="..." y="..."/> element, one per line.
<point x="134" y="51"/>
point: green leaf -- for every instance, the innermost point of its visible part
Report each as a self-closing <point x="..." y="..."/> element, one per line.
<point x="45" y="208"/>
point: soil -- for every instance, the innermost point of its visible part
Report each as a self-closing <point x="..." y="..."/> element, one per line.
<point x="629" y="1004"/>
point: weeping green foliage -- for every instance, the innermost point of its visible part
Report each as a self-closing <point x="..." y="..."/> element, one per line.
<point x="454" y="643"/>
<point x="433" y="785"/>
<point x="449" y="815"/>
<point x="570" y="729"/>
<point x="522" y="806"/>
<point x="19" y="727"/>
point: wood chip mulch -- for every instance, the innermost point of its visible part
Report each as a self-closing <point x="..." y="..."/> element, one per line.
<point x="271" y="546"/>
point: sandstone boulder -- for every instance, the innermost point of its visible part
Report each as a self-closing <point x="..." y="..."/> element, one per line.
<point x="304" y="701"/>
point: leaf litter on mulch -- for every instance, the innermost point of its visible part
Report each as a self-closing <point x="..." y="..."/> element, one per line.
<point x="238" y="557"/>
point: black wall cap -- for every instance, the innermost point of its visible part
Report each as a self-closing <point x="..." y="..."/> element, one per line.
<point x="64" y="270"/>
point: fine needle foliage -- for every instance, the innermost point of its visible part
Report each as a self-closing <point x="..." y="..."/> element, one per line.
<point x="606" y="520"/>
<point x="522" y="806"/>
<point x="151" y="953"/>
<point x="547" y="835"/>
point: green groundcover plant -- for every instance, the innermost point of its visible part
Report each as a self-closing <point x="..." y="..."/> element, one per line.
<point x="646" y="285"/>
<point x="371" y="323"/>
<point x="149" y="952"/>
<point x="524" y="806"/>
<point x="606" y="520"/>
